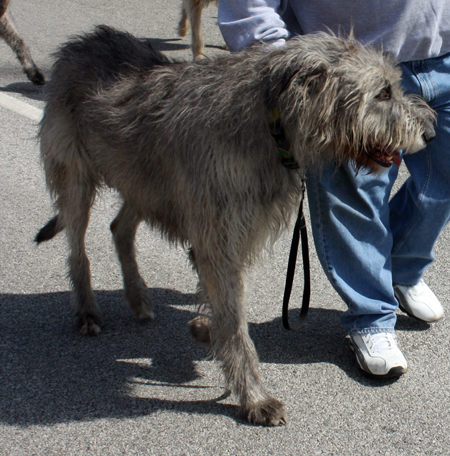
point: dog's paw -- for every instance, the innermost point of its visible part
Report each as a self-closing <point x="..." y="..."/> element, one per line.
<point x="89" y="325"/>
<point x="199" y="328"/>
<point x="35" y="76"/>
<point x="145" y="314"/>
<point x="267" y="412"/>
<point x="140" y="302"/>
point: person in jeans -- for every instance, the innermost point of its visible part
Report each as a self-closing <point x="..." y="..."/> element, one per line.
<point x="374" y="251"/>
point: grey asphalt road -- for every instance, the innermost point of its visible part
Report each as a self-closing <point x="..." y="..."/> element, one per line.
<point x="145" y="388"/>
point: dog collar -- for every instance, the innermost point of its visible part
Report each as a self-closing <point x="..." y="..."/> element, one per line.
<point x="276" y="130"/>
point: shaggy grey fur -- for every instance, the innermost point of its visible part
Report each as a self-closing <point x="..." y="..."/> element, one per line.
<point x="188" y="148"/>
<point x="16" y="43"/>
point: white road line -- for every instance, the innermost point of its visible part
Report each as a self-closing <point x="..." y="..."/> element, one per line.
<point x="20" y="107"/>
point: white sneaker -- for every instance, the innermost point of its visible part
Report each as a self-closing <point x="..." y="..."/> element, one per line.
<point x="419" y="301"/>
<point x="378" y="354"/>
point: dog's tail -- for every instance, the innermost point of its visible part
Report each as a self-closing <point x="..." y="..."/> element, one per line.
<point x="49" y="231"/>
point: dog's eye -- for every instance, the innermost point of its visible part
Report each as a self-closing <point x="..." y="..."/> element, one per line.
<point x="385" y="94"/>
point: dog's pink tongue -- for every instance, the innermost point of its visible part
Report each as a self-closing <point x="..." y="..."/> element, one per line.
<point x="397" y="158"/>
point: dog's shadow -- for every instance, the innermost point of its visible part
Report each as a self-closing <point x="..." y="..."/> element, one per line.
<point x="51" y="374"/>
<point x="168" y="44"/>
<point x="26" y="89"/>
<point x="177" y="44"/>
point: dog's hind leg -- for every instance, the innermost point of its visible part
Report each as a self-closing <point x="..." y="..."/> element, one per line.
<point x="183" y="25"/>
<point x="16" y="43"/>
<point x="75" y="216"/>
<point x="70" y="179"/>
<point x="73" y="183"/>
<point x="124" y="229"/>
<point x="231" y="343"/>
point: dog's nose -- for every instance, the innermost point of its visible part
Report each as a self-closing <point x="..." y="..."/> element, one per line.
<point x="429" y="135"/>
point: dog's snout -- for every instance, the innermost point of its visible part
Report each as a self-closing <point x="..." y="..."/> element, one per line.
<point x="429" y="135"/>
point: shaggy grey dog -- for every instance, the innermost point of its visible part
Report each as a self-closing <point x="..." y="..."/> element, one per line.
<point x="16" y="43"/>
<point x="189" y="149"/>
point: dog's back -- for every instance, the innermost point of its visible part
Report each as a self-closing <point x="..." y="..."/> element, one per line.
<point x="92" y="62"/>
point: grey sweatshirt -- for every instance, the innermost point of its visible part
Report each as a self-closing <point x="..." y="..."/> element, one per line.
<point x="408" y="29"/>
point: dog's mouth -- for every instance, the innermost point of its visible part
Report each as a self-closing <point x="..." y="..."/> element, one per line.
<point x="386" y="156"/>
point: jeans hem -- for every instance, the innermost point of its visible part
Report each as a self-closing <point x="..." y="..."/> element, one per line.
<point x="371" y="331"/>
<point x="409" y="285"/>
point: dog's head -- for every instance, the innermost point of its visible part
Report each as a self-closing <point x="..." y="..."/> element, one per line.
<point x="341" y="101"/>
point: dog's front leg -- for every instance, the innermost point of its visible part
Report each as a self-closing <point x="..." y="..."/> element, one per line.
<point x="231" y="343"/>
<point x="195" y="17"/>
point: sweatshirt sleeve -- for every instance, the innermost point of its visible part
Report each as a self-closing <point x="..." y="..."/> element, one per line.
<point x="244" y="22"/>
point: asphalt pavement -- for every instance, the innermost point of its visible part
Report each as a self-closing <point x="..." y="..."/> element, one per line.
<point x="146" y="388"/>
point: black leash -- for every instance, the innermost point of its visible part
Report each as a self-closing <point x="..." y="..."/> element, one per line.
<point x="299" y="231"/>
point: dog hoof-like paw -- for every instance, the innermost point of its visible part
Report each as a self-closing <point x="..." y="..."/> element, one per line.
<point x="89" y="325"/>
<point x="36" y="77"/>
<point x="199" y="328"/>
<point x="145" y="314"/>
<point x="268" y="412"/>
<point x="140" y="302"/>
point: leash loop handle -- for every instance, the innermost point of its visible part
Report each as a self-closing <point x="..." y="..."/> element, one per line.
<point x="299" y="232"/>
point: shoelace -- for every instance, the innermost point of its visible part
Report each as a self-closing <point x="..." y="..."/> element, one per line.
<point x="382" y="342"/>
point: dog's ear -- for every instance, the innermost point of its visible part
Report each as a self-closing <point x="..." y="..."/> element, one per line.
<point x="293" y="78"/>
<point x="316" y="78"/>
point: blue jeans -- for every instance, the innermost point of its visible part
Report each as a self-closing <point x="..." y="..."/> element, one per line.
<point x="365" y="242"/>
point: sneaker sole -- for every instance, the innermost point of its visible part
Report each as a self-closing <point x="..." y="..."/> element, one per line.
<point x="396" y="371"/>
